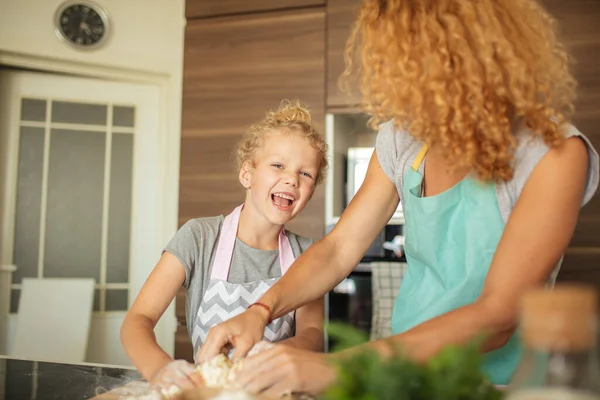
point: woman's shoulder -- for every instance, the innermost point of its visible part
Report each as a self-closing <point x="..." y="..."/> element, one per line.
<point x="396" y="149"/>
<point x="396" y="138"/>
<point x="530" y="150"/>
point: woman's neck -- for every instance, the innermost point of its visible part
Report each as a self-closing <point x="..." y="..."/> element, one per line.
<point x="256" y="231"/>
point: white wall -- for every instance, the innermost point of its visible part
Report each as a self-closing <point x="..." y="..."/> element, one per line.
<point x="145" y="44"/>
<point x="147" y="35"/>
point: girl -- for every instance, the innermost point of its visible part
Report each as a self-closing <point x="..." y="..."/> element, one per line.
<point x="490" y="173"/>
<point x="226" y="264"/>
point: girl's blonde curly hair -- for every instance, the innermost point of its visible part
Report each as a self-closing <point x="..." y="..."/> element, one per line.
<point x="292" y="117"/>
<point x="458" y="74"/>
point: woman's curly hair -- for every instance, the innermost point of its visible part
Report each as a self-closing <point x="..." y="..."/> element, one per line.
<point x="458" y="74"/>
<point x="291" y="116"/>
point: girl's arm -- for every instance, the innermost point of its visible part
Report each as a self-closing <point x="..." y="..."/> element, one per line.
<point x="319" y="269"/>
<point x="137" y="331"/>
<point x="537" y="234"/>
<point x="309" y="327"/>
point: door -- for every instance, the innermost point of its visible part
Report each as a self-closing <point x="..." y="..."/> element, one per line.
<point x="81" y="193"/>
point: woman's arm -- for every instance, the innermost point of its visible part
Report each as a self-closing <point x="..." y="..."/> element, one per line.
<point x="309" y="327"/>
<point x="538" y="232"/>
<point x="332" y="258"/>
<point x="322" y="266"/>
<point x="536" y="235"/>
<point x="137" y="331"/>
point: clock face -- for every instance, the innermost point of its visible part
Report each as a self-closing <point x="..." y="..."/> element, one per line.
<point x="82" y="24"/>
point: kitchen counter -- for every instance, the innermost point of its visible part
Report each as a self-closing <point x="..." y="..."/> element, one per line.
<point x="24" y="379"/>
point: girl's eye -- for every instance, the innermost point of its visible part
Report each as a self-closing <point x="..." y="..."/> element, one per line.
<point x="277" y="165"/>
<point x="306" y="174"/>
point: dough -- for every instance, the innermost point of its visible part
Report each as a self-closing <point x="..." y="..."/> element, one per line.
<point x="220" y="371"/>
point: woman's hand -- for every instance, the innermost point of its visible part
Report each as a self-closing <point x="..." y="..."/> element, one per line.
<point x="283" y="370"/>
<point x="179" y="374"/>
<point x="241" y="332"/>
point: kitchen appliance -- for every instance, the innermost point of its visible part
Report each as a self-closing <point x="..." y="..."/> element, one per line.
<point x="358" y="159"/>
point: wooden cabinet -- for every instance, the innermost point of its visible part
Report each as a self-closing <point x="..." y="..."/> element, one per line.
<point x="209" y="8"/>
<point x="340" y="18"/>
<point x="235" y="70"/>
<point x="578" y="21"/>
<point x="183" y="346"/>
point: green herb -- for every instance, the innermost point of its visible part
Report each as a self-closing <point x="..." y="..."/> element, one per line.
<point x="454" y="374"/>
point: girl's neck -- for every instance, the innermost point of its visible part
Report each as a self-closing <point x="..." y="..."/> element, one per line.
<point x="257" y="231"/>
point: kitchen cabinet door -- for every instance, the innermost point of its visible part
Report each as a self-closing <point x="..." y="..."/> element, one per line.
<point x="340" y="18"/>
<point x="209" y="8"/>
<point x="578" y="22"/>
<point x="235" y="70"/>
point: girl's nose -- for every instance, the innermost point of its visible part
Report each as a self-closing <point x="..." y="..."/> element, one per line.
<point x="292" y="179"/>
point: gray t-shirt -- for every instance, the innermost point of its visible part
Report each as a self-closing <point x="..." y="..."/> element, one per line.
<point x="195" y="246"/>
<point x="397" y="150"/>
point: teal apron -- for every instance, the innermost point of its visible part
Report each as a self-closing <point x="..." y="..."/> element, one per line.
<point x="450" y="240"/>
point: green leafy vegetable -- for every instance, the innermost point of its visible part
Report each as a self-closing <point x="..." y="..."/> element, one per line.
<point x="454" y="374"/>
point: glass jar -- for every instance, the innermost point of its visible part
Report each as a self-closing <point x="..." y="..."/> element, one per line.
<point x="558" y="330"/>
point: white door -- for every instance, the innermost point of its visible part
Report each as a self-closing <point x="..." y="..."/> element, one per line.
<point x="81" y="182"/>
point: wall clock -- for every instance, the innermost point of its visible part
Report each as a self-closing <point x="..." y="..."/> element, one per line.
<point x="82" y="24"/>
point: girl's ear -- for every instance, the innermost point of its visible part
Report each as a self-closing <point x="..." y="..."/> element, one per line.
<point x="246" y="174"/>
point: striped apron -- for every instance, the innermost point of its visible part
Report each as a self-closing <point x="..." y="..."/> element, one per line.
<point x="224" y="300"/>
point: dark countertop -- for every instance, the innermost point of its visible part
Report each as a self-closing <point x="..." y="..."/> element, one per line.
<point x="23" y="379"/>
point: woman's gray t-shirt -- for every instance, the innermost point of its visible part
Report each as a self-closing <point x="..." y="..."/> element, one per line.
<point x="195" y="246"/>
<point x="397" y="150"/>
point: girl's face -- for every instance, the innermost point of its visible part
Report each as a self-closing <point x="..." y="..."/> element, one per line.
<point x="282" y="178"/>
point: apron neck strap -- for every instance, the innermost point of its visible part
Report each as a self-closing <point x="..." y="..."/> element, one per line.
<point x="220" y="267"/>
<point x="226" y="243"/>
<point x="286" y="255"/>
<point x="419" y="158"/>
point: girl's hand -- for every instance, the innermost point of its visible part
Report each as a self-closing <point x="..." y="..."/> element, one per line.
<point x="241" y="332"/>
<point x="282" y="370"/>
<point x="176" y="375"/>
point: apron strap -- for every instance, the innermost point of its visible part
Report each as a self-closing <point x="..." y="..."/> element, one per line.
<point x="419" y="158"/>
<point x="220" y="267"/>
<point x="224" y="254"/>
<point x="286" y="255"/>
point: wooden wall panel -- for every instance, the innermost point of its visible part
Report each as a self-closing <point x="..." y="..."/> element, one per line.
<point x="340" y="17"/>
<point x="183" y="346"/>
<point x="236" y="69"/>
<point x="578" y="21"/>
<point x="208" y="8"/>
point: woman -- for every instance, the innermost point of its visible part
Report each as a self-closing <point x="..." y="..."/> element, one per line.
<point x="489" y="170"/>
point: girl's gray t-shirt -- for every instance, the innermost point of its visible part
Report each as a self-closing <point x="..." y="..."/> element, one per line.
<point x="397" y="150"/>
<point x="195" y="246"/>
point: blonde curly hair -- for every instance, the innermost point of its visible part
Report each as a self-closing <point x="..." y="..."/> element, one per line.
<point x="458" y="74"/>
<point x="290" y="117"/>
